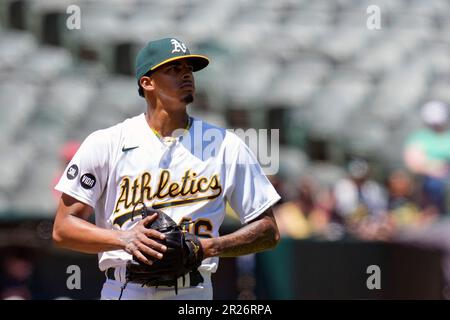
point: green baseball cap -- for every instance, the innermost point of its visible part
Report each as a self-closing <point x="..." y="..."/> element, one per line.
<point x="159" y="52"/>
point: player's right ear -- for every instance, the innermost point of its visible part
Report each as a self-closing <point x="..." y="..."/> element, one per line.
<point x="146" y="83"/>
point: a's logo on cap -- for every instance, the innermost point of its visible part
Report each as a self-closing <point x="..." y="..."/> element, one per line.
<point x="178" y="46"/>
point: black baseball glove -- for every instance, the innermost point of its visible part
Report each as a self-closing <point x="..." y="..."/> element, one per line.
<point x="184" y="254"/>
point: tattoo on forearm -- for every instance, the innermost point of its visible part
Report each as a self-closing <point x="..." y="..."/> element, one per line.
<point x="251" y="238"/>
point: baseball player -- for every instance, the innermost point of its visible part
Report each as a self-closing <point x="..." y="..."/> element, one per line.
<point x="167" y="160"/>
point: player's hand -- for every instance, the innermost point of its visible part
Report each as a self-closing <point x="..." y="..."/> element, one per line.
<point x="208" y="247"/>
<point x="141" y="242"/>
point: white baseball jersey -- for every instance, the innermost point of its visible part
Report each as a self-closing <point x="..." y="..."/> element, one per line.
<point x="189" y="177"/>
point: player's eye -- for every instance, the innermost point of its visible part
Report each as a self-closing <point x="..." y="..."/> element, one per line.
<point x="172" y="68"/>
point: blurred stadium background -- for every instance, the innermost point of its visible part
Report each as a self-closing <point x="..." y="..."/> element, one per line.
<point x="336" y="90"/>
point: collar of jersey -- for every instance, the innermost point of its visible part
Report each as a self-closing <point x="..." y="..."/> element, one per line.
<point x="186" y="130"/>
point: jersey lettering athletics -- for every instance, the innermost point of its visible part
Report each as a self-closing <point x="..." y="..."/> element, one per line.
<point x="190" y="178"/>
<point x="140" y="190"/>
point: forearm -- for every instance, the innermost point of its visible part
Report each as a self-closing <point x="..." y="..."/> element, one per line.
<point x="77" y="234"/>
<point x="254" y="237"/>
<point x="418" y="162"/>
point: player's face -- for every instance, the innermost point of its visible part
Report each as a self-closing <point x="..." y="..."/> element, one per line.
<point x="174" y="81"/>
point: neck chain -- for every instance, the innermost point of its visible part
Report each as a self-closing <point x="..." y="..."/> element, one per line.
<point x="188" y="126"/>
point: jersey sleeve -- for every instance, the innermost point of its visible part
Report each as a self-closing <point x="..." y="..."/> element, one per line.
<point x="85" y="176"/>
<point x="247" y="188"/>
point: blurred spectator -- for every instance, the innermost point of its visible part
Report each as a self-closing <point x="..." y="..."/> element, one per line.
<point x="357" y="195"/>
<point x="404" y="205"/>
<point x="427" y="154"/>
<point x="66" y="154"/>
<point x="401" y="190"/>
<point x="361" y="202"/>
<point x="308" y="214"/>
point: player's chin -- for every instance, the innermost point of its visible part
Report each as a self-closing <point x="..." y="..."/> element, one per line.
<point x="188" y="98"/>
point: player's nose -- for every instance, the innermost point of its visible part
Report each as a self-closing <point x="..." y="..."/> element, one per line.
<point x="187" y="76"/>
